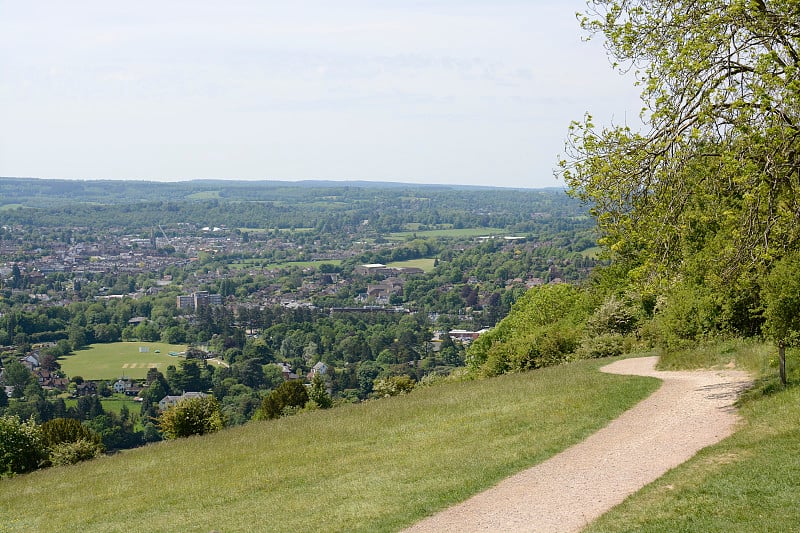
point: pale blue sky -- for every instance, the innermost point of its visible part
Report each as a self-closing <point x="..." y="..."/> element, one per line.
<point x="429" y="91"/>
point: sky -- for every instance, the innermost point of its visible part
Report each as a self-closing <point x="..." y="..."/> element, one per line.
<point x="466" y="92"/>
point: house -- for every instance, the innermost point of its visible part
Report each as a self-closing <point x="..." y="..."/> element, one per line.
<point x="168" y="401"/>
<point x="127" y="387"/>
<point x="48" y="380"/>
<point x="465" y="336"/>
<point x="31" y="361"/>
<point x="286" y="370"/>
<point x="319" y="368"/>
<point x="87" y="388"/>
<point x="370" y="269"/>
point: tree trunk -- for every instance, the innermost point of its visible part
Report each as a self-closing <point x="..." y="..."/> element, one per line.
<point x="782" y="361"/>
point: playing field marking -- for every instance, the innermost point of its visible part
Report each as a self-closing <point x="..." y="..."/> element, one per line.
<point x="125" y="365"/>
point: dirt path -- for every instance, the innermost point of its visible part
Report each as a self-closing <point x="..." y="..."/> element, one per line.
<point x="691" y="410"/>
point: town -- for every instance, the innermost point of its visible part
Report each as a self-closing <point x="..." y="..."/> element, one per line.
<point x="231" y="310"/>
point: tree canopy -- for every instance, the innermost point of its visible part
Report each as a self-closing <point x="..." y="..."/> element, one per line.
<point x="711" y="185"/>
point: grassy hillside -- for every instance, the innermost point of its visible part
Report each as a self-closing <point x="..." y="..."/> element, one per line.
<point x="376" y="466"/>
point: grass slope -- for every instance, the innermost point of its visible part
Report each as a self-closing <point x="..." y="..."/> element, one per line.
<point x="376" y="466"/>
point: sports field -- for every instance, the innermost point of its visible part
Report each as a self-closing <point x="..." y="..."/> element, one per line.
<point x="425" y="264"/>
<point x="121" y="359"/>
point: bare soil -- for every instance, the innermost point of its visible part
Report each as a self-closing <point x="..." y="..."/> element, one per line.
<point x="691" y="410"/>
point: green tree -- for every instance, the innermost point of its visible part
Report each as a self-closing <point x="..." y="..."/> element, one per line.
<point x="68" y="441"/>
<point x="542" y="329"/>
<point x="195" y="416"/>
<point x="18" y="376"/>
<point x="288" y="394"/>
<point x="77" y="336"/>
<point x="318" y="392"/>
<point x="709" y="188"/>
<point x="781" y="300"/>
<point x="21" y="446"/>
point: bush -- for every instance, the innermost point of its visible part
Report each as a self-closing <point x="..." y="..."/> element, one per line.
<point x="22" y="448"/>
<point x="393" y="386"/>
<point x="288" y="394"/>
<point x="542" y="329"/>
<point x="613" y="316"/>
<point x="69" y="453"/>
<point x="66" y="430"/>
<point x="606" y="345"/>
<point x="69" y="442"/>
<point x="195" y="416"/>
<point x="319" y="392"/>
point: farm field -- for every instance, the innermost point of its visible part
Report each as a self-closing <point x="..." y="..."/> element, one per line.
<point x="120" y="359"/>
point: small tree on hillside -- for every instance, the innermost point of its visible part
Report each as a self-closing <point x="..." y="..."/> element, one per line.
<point x="288" y="394"/>
<point x="781" y="299"/>
<point x="318" y="393"/>
<point x="21" y="446"/>
<point x="195" y="416"/>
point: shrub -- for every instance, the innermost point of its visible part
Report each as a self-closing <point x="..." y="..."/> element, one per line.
<point x="195" y="416"/>
<point x="65" y="430"/>
<point x="613" y="316"/>
<point x="318" y="392"/>
<point x="69" y="453"/>
<point x="69" y="442"/>
<point x="542" y="329"/>
<point x="288" y="394"/>
<point x="606" y="345"/>
<point x="22" y="448"/>
<point x="393" y="386"/>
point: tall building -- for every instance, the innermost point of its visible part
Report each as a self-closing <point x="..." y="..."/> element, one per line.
<point x="198" y="299"/>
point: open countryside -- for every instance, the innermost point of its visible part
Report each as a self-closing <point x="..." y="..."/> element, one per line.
<point x="618" y="355"/>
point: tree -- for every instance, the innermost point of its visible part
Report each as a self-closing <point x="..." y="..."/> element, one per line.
<point x="195" y="416"/>
<point x="21" y="446"/>
<point x="18" y="376"/>
<point x="781" y="300"/>
<point x="173" y="335"/>
<point x="68" y="441"/>
<point x="288" y="394"/>
<point x="77" y="336"/>
<point x="714" y="174"/>
<point x="318" y="393"/>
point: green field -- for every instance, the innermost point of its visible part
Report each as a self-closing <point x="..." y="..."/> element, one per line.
<point x="424" y="264"/>
<point x="112" y="404"/>
<point x="334" y="470"/>
<point x="593" y="252"/>
<point x="203" y="195"/>
<point x="120" y="359"/>
<point x="451" y="233"/>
